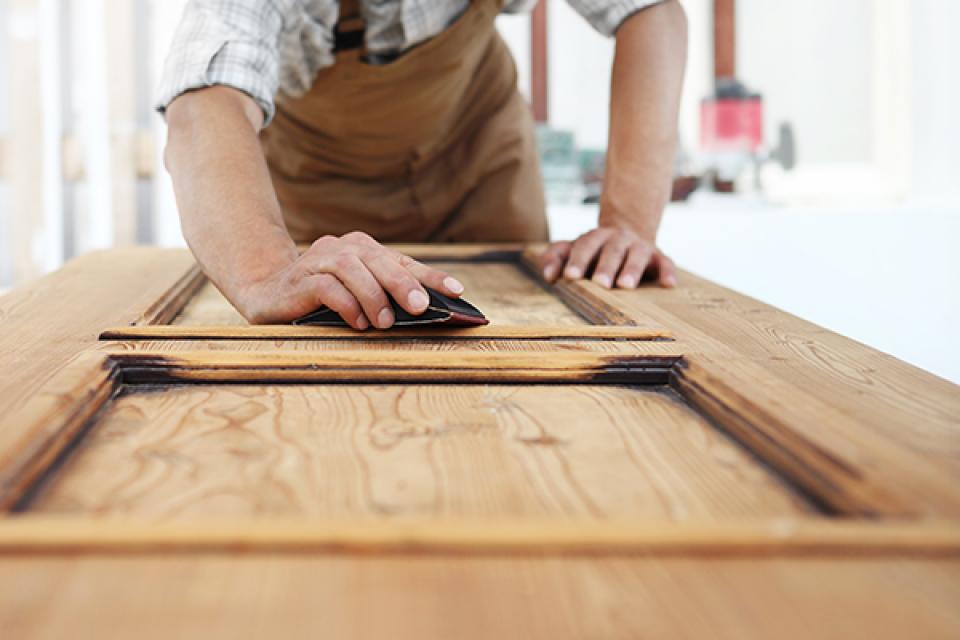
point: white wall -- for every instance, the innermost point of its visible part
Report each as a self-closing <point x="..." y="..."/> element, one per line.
<point x="813" y="63"/>
<point x="6" y="264"/>
<point x="871" y="89"/>
<point x="580" y="63"/>
<point x="935" y="55"/>
<point x="579" y="75"/>
<point x="515" y="29"/>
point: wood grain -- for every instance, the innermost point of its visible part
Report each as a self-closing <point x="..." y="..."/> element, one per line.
<point x="548" y="333"/>
<point x="417" y="451"/>
<point x="907" y="406"/>
<point x="50" y="321"/>
<point x="34" y="435"/>
<point x="302" y="596"/>
<point x="624" y="365"/>
<point x="856" y="404"/>
<point x="168" y="305"/>
<point x="437" y="344"/>
<point x="781" y="537"/>
<point x="208" y="307"/>
<point x="353" y="509"/>
<point x="790" y="429"/>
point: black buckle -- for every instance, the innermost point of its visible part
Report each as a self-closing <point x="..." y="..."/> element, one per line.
<point x="347" y="40"/>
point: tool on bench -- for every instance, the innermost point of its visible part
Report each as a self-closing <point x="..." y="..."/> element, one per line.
<point x="453" y="312"/>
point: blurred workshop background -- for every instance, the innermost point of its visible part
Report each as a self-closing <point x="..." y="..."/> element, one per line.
<point x="817" y="166"/>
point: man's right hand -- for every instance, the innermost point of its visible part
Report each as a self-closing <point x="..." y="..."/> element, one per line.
<point x="351" y="275"/>
<point x="232" y="221"/>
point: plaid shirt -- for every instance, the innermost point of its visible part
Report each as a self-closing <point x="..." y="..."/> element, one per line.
<point x="263" y="47"/>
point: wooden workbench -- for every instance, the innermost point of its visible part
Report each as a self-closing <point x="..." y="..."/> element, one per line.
<point x="651" y="463"/>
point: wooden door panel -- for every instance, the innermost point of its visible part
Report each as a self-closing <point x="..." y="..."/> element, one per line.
<point x="379" y="451"/>
<point x="678" y="463"/>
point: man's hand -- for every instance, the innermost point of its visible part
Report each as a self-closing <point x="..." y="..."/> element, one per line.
<point x="618" y="257"/>
<point x="351" y="275"/>
<point x="644" y="99"/>
<point x="232" y="222"/>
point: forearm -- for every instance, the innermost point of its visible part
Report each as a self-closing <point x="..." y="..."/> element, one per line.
<point x="645" y="92"/>
<point x="228" y="209"/>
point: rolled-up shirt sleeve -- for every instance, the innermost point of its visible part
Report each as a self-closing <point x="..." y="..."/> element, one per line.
<point x="226" y="42"/>
<point x="606" y="16"/>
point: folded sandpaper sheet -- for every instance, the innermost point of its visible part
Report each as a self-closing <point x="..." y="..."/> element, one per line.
<point x="452" y="312"/>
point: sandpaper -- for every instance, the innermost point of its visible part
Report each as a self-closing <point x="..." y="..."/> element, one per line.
<point x="453" y="312"/>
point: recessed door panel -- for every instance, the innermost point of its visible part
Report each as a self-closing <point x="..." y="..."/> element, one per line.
<point x="381" y="451"/>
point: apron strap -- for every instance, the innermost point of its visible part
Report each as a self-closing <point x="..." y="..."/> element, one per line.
<point x="350" y="28"/>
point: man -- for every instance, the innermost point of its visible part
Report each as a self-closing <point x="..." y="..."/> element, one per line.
<point x="344" y="126"/>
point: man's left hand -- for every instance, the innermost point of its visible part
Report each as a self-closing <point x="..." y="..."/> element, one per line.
<point x="619" y="257"/>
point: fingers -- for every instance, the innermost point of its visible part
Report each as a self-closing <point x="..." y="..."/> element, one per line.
<point x="666" y="271"/>
<point x="340" y="258"/>
<point x="398" y="281"/>
<point x="329" y="291"/>
<point x="365" y="286"/>
<point x="584" y="251"/>
<point x="611" y="259"/>
<point x="369" y="271"/>
<point x="400" y="275"/>
<point x="615" y="251"/>
<point x="638" y="257"/>
<point x="553" y="259"/>
<point x="433" y="278"/>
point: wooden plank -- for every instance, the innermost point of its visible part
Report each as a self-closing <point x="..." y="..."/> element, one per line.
<point x="452" y="347"/>
<point x="32" y="437"/>
<point x="207" y="306"/>
<point x="405" y="451"/>
<point x="441" y="333"/>
<point x="808" y="538"/>
<point x="626" y="366"/>
<point x="172" y="301"/>
<point x="302" y="596"/>
<point x="817" y="447"/>
<point x="48" y="322"/>
<point x="899" y="402"/>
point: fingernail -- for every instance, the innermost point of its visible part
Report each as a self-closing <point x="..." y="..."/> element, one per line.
<point x="362" y="322"/>
<point x="418" y="299"/>
<point x="573" y="273"/>
<point x="628" y="282"/>
<point x="602" y="280"/>
<point x="385" y="318"/>
<point x="550" y="272"/>
<point x="452" y="284"/>
<point x="671" y="281"/>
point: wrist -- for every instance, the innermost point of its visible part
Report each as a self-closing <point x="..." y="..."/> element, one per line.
<point x="251" y="288"/>
<point x="632" y="219"/>
<point x="634" y="205"/>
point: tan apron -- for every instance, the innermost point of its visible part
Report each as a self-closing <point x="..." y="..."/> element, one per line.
<point x="436" y="146"/>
